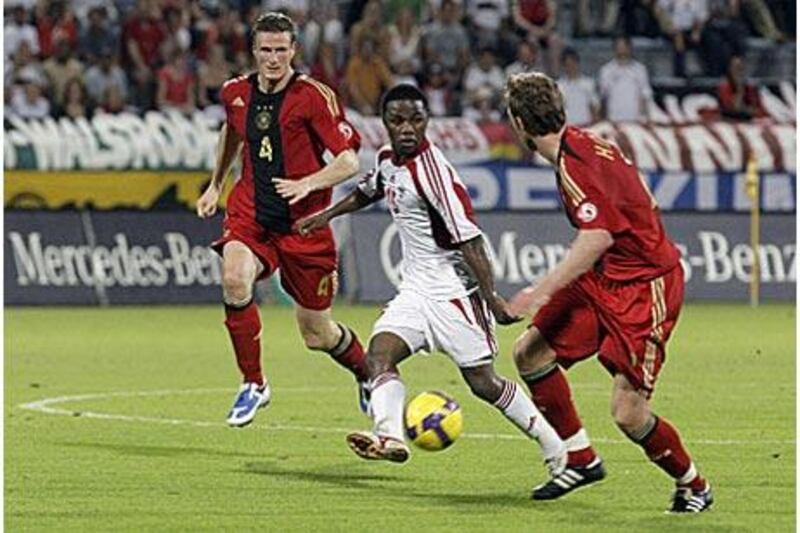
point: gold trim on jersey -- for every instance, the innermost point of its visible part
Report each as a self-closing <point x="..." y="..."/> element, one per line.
<point x="570" y="187"/>
<point x="659" y="310"/>
<point x="326" y="92"/>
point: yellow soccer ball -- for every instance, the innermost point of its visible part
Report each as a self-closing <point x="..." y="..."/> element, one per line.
<point x="433" y="420"/>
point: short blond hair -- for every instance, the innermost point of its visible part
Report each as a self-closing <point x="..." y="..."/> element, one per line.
<point x="536" y="100"/>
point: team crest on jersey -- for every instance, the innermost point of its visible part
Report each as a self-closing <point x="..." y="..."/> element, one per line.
<point x="587" y="212"/>
<point x="263" y="119"/>
<point x="345" y="130"/>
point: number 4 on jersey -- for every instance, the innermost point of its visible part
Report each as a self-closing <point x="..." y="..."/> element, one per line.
<point x="265" y="152"/>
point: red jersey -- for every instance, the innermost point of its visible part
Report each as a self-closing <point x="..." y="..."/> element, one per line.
<point x="601" y="189"/>
<point x="535" y="11"/>
<point x="148" y="34"/>
<point x="285" y="135"/>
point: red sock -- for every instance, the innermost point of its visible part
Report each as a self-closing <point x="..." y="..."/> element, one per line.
<point x="664" y="447"/>
<point x="350" y="354"/>
<point x="244" y="326"/>
<point x="551" y="394"/>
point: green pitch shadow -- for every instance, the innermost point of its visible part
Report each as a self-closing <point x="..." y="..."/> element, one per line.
<point x="347" y="475"/>
<point x="158" y="451"/>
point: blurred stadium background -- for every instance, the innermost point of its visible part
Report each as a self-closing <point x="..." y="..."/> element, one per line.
<point x="110" y="120"/>
<point x="111" y="115"/>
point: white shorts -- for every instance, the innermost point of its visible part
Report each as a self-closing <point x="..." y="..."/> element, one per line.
<point x="461" y="328"/>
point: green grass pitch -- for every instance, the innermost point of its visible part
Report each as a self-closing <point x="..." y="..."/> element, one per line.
<point x="146" y="448"/>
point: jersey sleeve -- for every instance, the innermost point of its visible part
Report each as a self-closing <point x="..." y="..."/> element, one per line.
<point x="327" y="119"/>
<point x="227" y="96"/>
<point x="447" y="196"/>
<point x="589" y="205"/>
<point x="371" y="184"/>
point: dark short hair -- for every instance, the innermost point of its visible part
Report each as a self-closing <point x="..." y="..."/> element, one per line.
<point x="273" y="22"/>
<point x="569" y="52"/>
<point x="404" y="91"/>
<point x="536" y="100"/>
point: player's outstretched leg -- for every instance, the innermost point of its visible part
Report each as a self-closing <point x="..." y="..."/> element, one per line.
<point x="386" y="440"/>
<point x="515" y="405"/>
<point x="661" y="442"/>
<point x="243" y="321"/>
<point x="551" y="393"/>
<point x="321" y="333"/>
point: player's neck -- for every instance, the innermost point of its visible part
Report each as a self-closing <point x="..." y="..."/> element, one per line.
<point x="274" y="86"/>
<point x="549" y="145"/>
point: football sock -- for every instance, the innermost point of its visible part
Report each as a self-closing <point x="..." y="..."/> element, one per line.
<point x="349" y="353"/>
<point x="244" y="326"/>
<point x="387" y="401"/>
<point x="551" y="394"/>
<point x="662" y="444"/>
<point x="521" y="411"/>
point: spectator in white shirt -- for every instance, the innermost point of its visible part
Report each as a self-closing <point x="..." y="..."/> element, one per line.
<point x="404" y="39"/>
<point x="624" y="85"/>
<point x="683" y="22"/>
<point x="527" y="59"/>
<point x="482" y="108"/>
<point x="487" y="22"/>
<point x="17" y="30"/>
<point x="483" y="73"/>
<point x="27" y="102"/>
<point x="580" y="93"/>
<point x="106" y="73"/>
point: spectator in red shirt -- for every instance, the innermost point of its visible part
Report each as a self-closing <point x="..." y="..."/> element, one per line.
<point x="55" y="23"/>
<point x="176" y="84"/>
<point x="739" y="99"/>
<point x="325" y="69"/>
<point x="143" y="36"/>
<point x="536" y="21"/>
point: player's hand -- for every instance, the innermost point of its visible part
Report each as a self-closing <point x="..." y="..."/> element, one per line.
<point x="499" y="308"/>
<point x="527" y="302"/>
<point x="207" y="203"/>
<point x="305" y="226"/>
<point x="292" y="190"/>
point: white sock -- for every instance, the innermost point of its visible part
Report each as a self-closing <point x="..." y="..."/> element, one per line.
<point x="578" y="441"/>
<point x="521" y="411"/>
<point x="387" y="400"/>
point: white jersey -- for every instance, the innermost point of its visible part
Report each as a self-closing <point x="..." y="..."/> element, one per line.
<point x="433" y="214"/>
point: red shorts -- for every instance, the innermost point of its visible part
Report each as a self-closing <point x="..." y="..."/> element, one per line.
<point x="627" y="324"/>
<point x="307" y="264"/>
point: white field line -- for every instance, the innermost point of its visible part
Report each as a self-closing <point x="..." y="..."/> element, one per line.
<point x="46" y="406"/>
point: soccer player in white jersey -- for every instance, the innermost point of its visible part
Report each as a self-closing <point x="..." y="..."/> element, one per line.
<point x="446" y="300"/>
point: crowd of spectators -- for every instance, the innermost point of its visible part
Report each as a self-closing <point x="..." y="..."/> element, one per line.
<point x="79" y="57"/>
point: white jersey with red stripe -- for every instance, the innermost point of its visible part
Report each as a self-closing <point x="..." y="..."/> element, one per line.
<point x="433" y="213"/>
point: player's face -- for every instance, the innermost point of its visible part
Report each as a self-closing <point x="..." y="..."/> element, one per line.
<point x="406" y="122"/>
<point x="273" y="52"/>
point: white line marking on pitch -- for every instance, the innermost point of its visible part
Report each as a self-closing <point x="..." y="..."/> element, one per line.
<point x="45" y="406"/>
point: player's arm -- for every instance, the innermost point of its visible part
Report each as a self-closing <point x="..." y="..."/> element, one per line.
<point x="228" y="148"/>
<point x="327" y="120"/>
<point x="475" y="255"/>
<point x="344" y="166"/>
<point x="354" y="201"/>
<point x="587" y="248"/>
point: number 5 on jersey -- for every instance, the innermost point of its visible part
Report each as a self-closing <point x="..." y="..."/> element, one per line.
<point x="265" y="152"/>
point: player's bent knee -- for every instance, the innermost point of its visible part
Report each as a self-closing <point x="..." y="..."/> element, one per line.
<point x="236" y="286"/>
<point x="629" y="415"/>
<point x="531" y="352"/>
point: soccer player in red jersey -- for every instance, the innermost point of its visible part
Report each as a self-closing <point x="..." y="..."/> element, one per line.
<point x="282" y="123"/>
<point x="617" y="293"/>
